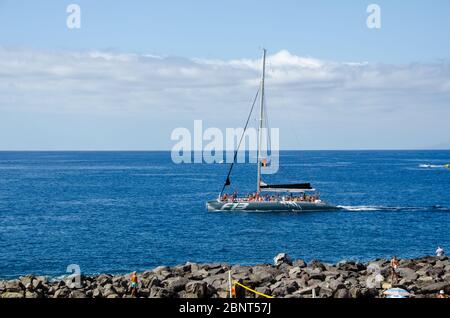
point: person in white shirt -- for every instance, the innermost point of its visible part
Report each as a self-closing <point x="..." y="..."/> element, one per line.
<point x="440" y="251"/>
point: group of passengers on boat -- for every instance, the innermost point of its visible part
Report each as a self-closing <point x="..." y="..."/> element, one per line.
<point x="256" y="197"/>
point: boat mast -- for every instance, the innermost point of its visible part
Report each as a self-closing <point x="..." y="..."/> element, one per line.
<point x="261" y="113"/>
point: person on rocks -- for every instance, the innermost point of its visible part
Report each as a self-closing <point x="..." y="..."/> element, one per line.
<point x="441" y="294"/>
<point x="440" y="251"/>
<point x="239" y="292"/>
<point x="134" y="284"/>
<point x="394" y="267"/>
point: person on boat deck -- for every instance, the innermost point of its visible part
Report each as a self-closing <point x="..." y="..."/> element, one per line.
<point x="440" y="251"/>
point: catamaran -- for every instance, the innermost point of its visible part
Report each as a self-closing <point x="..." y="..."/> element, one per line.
<point x="291" y="197"/>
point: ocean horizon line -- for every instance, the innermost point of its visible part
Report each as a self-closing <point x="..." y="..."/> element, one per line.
<point x="231" y="150"/>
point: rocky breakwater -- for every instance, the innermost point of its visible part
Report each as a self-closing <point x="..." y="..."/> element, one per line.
<point x="422" y="277"/>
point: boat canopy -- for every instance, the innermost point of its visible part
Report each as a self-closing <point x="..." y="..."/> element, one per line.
<point x="293" y="187"/>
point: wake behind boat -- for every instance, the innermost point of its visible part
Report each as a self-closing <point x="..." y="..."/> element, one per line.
<point x="291" y="197"/>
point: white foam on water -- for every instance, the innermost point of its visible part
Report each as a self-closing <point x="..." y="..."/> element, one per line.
<point x="430" y="166"/>
<point x="358" y="208"/>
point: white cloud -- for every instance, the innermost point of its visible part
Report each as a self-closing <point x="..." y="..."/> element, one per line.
<point x="303" y="89"/>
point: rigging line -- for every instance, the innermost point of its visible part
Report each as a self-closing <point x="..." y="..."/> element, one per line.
<point x="266" y="117"/>
<point x="227" y="180"/>
<point x="269" y="141"/>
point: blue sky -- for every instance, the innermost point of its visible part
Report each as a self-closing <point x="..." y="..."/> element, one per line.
<point x="138" y="69"/>
<point x="411" y="30"/>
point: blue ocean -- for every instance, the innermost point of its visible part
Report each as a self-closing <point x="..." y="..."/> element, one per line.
<point x="116" y="212"/>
